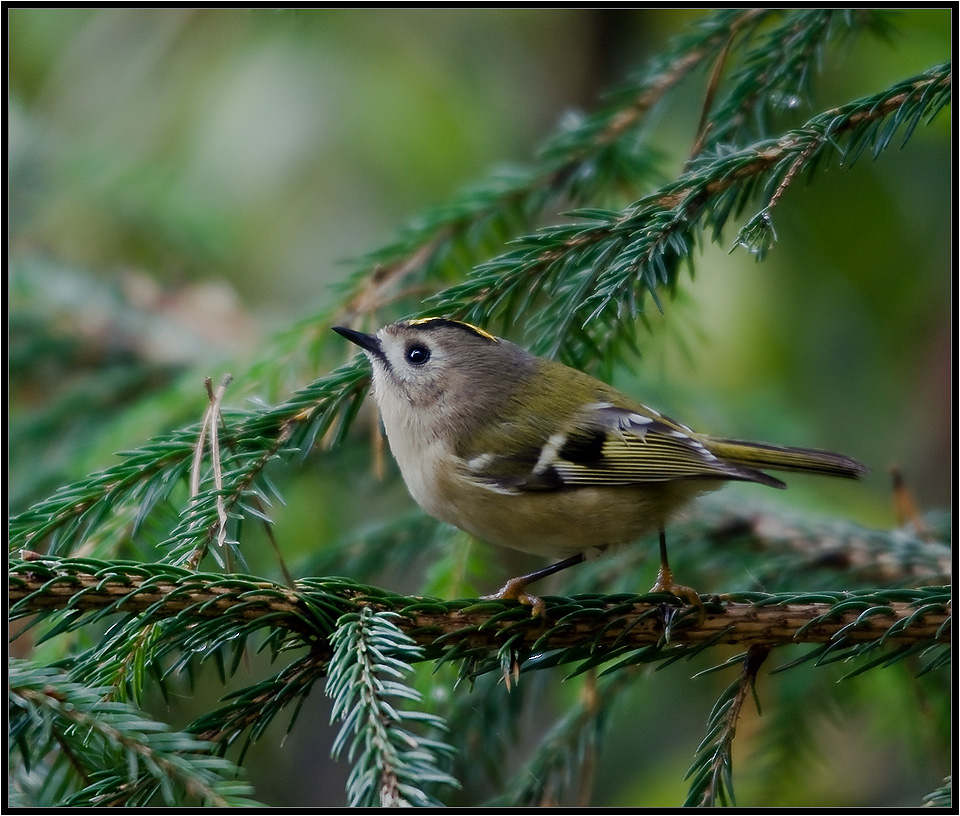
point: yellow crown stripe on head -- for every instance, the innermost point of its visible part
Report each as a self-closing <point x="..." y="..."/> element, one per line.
<point x="426" y="322"/>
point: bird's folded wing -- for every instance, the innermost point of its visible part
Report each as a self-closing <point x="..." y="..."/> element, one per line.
<point x="605" y="446"/>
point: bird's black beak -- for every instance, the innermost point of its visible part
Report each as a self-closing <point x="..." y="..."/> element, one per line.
<point x="366" y="341"/>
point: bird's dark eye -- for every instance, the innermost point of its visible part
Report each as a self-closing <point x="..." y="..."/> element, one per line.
<point x="417" y="354"/>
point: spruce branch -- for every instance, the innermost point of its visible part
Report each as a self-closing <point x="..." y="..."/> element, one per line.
<point x="776" y="73"/>
<point x="749" y="548"/>
<point x="146" y="477"/>
<point x="586" y="156"/>
<point x="253" y="709"/>
<point x="712" y="769"/>
<point x="392" y="766"/>
<point x="590" y="278"/>
<point x="942" y="796"/>
<point x="118" y="754"/>
<point x="575" y="627"/>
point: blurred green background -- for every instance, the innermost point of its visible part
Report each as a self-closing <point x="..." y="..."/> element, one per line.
<point x="185" y="183"/>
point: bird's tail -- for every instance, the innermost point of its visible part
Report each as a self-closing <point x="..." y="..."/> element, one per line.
<point x="805" y="460"/>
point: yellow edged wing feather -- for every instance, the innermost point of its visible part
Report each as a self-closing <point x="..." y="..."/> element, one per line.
<point x="610" y="446"/>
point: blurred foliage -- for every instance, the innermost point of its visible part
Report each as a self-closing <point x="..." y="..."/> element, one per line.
<point x="184" y="186"/>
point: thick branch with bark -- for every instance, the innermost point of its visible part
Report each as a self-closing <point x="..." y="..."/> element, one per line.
<point x="897" y="616"/>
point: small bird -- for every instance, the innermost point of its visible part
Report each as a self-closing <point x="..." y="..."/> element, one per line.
<point x="533" y="455"/>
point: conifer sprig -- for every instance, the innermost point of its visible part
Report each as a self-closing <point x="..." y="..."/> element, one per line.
<point x="942" y="796"/>
<point x="392" y="765"/>
<point x="776" y="74"/>
<point x="147" y="477"/>
<point x="712" y="769"/>
<point x="109" y="753"/>
<point x="587" y="282"/>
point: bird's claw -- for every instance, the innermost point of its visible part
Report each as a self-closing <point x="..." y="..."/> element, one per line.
<point x="665" y="583"/>
<point x="515" y="590"/>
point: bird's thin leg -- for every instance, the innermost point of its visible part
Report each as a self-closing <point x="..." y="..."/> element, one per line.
<point x="665" y="582"/>
<point x="515" y="588"/>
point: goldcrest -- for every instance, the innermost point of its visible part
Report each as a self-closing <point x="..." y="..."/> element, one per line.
<point x="531" y="454"/>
